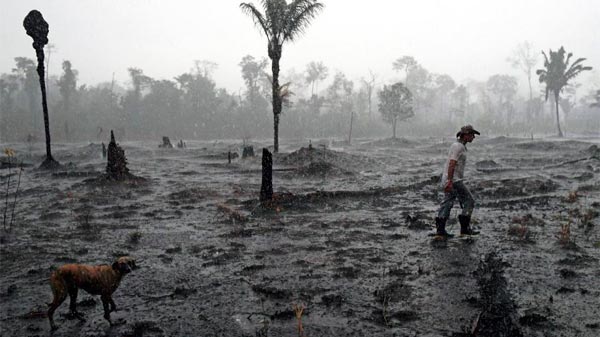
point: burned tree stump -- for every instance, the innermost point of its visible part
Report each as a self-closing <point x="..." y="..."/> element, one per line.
<point x="266" y="188"/>
<point x="37" y="28"/>
<point x="166" y="143"/>
<point x="116" y="168"/>
<point x="103" y="150"/>
<point x="247" y="151"/>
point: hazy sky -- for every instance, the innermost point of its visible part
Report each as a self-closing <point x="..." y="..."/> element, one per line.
<point x="462" y="38"/>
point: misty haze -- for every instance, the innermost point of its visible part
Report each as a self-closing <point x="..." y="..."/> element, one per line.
<point x="299" y="168"/>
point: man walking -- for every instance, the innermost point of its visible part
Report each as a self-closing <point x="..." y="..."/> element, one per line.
<point x="454" y="187"/>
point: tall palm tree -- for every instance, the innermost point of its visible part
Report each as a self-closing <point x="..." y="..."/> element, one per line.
<point x="281" y="22"/>
<point x="557" y="74"/>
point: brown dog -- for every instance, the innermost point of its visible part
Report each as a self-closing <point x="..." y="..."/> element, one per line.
<point x="100" y="280"/>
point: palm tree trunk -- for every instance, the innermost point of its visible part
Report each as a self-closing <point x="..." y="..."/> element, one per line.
<point x="275" y="55"/>
<point x="49" y="162"/>
<point x="556" y="97"/>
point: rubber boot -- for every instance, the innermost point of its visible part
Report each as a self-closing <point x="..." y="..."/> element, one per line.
<point x="440" y="227"/>
<point x="465" y="225"/>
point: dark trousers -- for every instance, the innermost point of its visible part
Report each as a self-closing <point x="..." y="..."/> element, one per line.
<point x="465" y="198"/>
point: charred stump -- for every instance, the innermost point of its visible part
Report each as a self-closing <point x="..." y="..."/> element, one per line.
<point x="37" y="28"/>
<point x="166" y="143"/>
<point x="116" y="168"/>
<point x="266" y="188"/>
<point x="103" y="150"/>
<point x="247" y="151"/>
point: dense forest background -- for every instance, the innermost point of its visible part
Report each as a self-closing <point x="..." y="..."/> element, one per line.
<point x="318" y="103"/>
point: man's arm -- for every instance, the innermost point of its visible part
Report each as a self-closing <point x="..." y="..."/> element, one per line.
<point x="451" y="167"/>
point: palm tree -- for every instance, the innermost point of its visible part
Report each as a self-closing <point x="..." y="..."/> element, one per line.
<point x="281" y="22"/>
<point x="557" y="74"/>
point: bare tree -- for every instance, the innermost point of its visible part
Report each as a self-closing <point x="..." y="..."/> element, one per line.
<point x="405" y="63"/>
<point x="524" y="58"/>
<point x="369" y="86"/>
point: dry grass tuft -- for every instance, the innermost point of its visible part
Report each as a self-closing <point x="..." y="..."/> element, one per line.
<point x="298" y="310"/>
<point x="572" y="197"/>
<point x="564" y="236"/>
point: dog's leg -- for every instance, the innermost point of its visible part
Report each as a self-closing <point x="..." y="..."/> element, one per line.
<point x="73" y="303"/>
<point x="60" y="294"/>
<point x="113" y="307"/>
<point x="105" y="303"/>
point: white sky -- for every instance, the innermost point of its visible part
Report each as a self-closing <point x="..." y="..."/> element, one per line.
<point x="462" y="38"/>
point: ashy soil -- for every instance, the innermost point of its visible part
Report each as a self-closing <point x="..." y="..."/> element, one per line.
<point x="346" y="239"/>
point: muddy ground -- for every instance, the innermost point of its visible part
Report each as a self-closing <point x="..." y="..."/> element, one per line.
<point x="347" y="240"/>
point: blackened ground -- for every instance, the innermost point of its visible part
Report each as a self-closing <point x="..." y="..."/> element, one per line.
<point x="346" y="238"/>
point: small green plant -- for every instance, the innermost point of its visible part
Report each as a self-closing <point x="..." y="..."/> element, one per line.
<point x="134" y="237"/>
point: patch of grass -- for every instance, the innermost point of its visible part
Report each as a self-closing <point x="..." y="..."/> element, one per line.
<point x="564" y="236"/>
<point x="521" y="232"/>
<point x="572" y="197"/>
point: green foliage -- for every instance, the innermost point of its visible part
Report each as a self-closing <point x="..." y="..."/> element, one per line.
<point x="395" y="104"/>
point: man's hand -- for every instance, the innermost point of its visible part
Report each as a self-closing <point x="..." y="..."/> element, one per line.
<point x="448" y="187"/>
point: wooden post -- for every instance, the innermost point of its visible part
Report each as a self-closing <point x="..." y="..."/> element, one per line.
<point x="266" y="188"/>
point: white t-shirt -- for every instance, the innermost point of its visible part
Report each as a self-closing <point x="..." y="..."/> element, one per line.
<point x="458" y="152"/>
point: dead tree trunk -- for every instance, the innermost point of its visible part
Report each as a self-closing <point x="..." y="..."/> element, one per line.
<point x="266" y="188"/>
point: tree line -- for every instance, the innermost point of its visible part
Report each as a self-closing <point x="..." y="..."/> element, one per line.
<point x="192" y="106"/>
